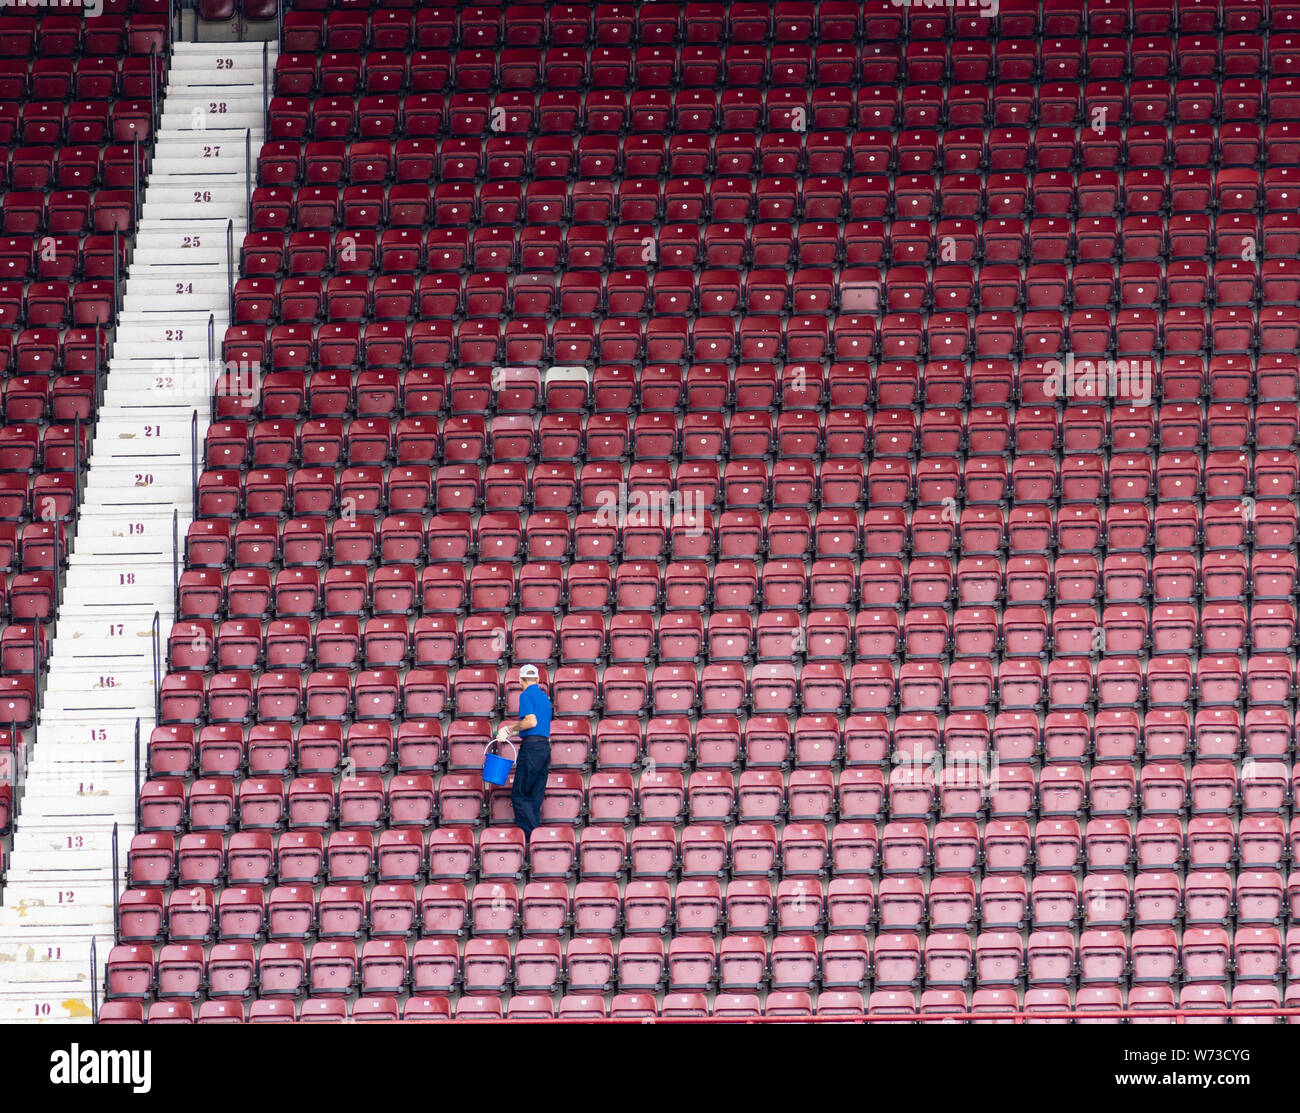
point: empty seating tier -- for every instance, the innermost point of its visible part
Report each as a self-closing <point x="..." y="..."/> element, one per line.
<point x="877" y="423"/>
<point x="76" y="121"/>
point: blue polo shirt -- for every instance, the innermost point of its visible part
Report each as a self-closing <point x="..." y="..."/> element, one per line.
<point x="534" y="701"/>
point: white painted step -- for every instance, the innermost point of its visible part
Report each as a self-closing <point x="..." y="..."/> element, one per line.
<point x="60" y="726"/>
<point x="202" y="220"/>
<point x="171" y="257"/>
<point x="192" y="197"/>
<point x="146" y="336"/>
<point x="30" y="975"/>
<point x="53" y="1007"/>
<point x="195" y="120"/>
<point x="126" y="452"/>
<point x="61" y="822"/>
<point x="94" y="844"/>
<point x="15" y="948"/>
<point x="151" y="542"/>
<point x="108" y="679"/>
<point x="165" y="470"/>
<point x="145" y="285"/>
<point x="170" y="302"/>
<point x="144" y="327"/>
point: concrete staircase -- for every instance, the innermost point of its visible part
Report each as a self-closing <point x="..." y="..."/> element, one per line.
<point x="81" y="779"/>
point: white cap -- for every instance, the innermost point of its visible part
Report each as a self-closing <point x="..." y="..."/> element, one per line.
<point x="528" y="672"/>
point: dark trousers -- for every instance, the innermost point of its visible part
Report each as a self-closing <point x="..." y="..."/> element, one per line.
<point x="531" y="768"/>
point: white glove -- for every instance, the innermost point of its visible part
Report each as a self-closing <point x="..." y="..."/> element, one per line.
<point x="503" y="734"/>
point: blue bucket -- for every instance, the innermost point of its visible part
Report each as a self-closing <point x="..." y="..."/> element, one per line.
<point x="496" y="769"/>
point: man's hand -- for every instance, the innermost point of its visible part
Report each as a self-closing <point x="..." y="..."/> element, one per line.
<point x="507" y="730"/>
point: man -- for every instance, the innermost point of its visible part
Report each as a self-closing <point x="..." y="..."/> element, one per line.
<point x="534" y="761"/>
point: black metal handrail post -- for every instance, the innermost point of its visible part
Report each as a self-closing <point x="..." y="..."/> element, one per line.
<point x="230" y="270"/>
<point x="76" y="464"/>
<point x="117" y="879"/>
<point x="135" y="180"/>
<point x="176" y="562"/>
<point x="94" y="980"/>
<point x="137" y="774"/>
<point x="14" y="740"/>
<point x="157" y="677"/>
<point x="36" y="682"/>
<point x="194" y="465"/>
<point x="117" y="271"/>
<point x="96" y="370"/>
<point x="155" y="115"/>
<point x="213" y="373"/>
<point x="266" y="78"/>
<point x="248" y="176"/>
